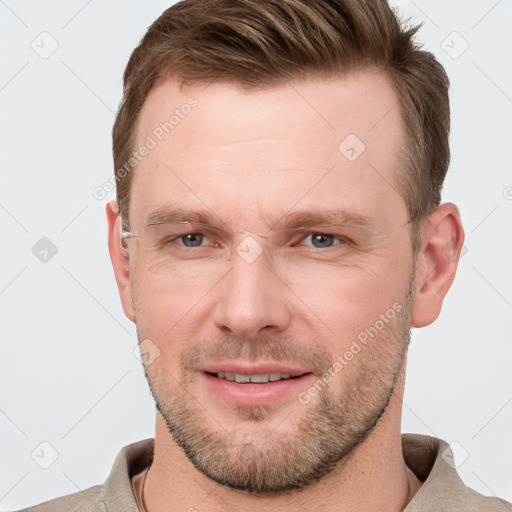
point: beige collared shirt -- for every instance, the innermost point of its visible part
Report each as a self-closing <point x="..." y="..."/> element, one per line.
<point x="430" y="459"/>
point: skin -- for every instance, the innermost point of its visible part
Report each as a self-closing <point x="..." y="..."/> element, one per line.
<point x="251" y="157"/>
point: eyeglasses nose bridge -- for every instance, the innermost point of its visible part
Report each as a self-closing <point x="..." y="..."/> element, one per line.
<point x="257" y="234"/>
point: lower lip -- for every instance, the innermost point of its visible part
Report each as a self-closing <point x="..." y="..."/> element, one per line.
<point x="256" y="394"/>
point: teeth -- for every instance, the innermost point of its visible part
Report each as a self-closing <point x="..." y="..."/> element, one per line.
<point x="260" y="378"/>
<point x="265" y="377"/>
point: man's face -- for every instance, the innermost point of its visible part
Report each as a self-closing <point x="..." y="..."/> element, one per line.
<point x="293" y="301"/>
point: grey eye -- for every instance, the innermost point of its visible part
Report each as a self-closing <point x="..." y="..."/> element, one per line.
<point x="192" y="240"/>
<point x="321" y="240"/>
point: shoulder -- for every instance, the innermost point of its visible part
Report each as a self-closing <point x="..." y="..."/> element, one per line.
<point x="91" y="499"/>
<point x="431" y="460"/>
<point x="116" y="494"/>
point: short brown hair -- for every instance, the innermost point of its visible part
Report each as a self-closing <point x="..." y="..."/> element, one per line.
<point x="261" y="43"/>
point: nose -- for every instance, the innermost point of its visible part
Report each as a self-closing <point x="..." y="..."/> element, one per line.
<point x="252" y="298"/>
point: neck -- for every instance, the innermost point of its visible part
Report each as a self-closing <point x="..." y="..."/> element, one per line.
<point x="373" y="477"/>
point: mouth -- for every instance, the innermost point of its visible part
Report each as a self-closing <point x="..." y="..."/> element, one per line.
<point x="262" y="378"/>
<point x="255" y="386"/>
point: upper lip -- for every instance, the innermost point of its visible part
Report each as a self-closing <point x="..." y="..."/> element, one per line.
<point x="255" y="369"/>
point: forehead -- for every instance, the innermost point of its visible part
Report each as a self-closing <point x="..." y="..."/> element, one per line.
<point x="332" y="142"/>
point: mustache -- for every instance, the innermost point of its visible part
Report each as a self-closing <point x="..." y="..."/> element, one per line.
<point x="281" y="349"/>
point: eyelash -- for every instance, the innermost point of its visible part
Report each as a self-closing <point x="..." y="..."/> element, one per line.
<point x="343" y="240"/>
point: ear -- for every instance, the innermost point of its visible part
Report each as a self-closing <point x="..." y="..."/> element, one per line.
<point x="119" y="259"/>
<point x="436" y="264"/>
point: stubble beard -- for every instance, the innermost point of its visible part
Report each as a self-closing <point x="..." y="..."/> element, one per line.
<point x="272" y="461"/>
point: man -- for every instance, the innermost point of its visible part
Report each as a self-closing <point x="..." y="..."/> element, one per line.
<point x="277" y="232"/>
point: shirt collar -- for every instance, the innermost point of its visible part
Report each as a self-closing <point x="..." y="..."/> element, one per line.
<point x="429" y="458"/>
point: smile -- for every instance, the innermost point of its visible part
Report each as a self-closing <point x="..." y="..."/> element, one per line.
<point x="244" y="389"/>
<point x="259" y="379"/>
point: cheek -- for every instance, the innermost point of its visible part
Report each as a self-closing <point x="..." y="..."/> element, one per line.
<point x="162" y="322"/>
<point x="355" y="300"/>
<point x="168" y="311"/>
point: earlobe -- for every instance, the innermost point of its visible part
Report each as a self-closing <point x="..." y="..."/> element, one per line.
<point x="436" y="263"/>
<point x="119" y="258"/>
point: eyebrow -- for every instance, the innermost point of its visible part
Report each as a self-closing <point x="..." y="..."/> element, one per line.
<point x="179" y="215"/>
<point x="338" y="216"/>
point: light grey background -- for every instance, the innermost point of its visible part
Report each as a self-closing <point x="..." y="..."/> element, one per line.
<point x="69" y="375"/>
